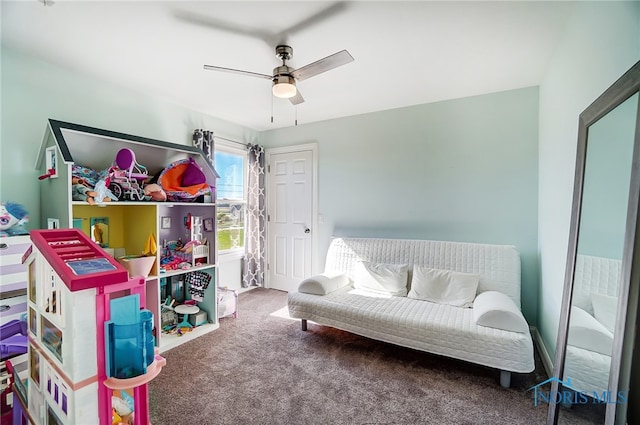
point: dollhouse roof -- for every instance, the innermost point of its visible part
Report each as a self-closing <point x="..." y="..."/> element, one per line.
<point x="97" y="148"/>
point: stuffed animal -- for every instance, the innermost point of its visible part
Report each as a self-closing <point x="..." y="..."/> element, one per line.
<point x="13" y="217"/>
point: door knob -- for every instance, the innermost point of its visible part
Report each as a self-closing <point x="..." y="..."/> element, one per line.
<point x="307" y="230"/>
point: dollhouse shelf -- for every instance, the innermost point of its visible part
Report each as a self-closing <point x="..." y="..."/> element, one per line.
<point x="132" y="203"/>
<point x="170" y="341"/>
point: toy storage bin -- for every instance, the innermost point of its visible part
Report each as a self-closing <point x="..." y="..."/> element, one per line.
<point x="227" y="302"/>
<point x="168" y="317"/>
<point x="132" y="347"/>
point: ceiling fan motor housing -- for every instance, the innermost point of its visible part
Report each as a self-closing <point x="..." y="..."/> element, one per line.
<point x="284" y="52"/>
<point x="282" y="71"/>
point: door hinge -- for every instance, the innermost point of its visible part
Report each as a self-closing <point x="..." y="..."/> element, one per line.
<point x="268" y="267"/>
<point x="268" y="217"/>
<point x="268" y="168"/>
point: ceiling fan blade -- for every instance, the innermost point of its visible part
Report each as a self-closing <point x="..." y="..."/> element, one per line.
<point x="297" y="99"/>
<point x="234" y="28"/>
<point x="237" y="71"/>
<point x="317" y="17"/>
<point x="333" y="61"/>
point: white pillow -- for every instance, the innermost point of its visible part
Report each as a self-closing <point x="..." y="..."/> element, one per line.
<point x="604" y="308"/>
<point x="443" y="286"/>
<point x="496" y="310"/>
<point x="378" y="277"/>
<point x="323" y="284"/>
<point x="586" y="332"/>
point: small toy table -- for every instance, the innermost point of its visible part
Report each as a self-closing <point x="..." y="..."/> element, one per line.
<point x="185" y="310"/>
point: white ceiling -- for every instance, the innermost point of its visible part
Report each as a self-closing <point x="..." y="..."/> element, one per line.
<point x="406" y="53"/>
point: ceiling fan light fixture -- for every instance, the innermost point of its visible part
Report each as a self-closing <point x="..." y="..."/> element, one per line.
<point x="284" y="86"/>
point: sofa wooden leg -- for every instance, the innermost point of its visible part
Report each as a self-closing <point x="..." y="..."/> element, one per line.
<point x="505" y="378"/>
<point x="304" y="324"/>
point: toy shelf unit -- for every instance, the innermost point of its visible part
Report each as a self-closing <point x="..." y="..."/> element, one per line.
<point x="79" y="300"/>
<point x="136" y="224"/>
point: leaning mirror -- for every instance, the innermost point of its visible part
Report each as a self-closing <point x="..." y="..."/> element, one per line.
<point x="589" y="382"/>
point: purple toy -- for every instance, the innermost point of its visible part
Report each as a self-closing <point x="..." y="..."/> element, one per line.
<point x="13" y="339"/>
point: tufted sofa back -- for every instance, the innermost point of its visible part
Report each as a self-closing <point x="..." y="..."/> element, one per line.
<point x="497" y="265"/>
<point x="597" y="275"/>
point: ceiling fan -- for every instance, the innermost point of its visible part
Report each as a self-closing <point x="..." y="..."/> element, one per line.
<point x="284" y="77"/>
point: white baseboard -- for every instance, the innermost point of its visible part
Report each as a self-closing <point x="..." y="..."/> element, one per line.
<point x="542" y="350"/>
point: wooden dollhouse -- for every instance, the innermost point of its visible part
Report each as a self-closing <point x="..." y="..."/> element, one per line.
<point x="74" y="364"/>
<point x="130" y="222"/>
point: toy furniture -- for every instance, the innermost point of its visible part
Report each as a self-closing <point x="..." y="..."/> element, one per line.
<point x="13" y="339"/>
<point x="199" y="255"/>
<point x="74" y="359"/>
<point x="126" y="176"/>
<point x="132" y="222"/>
<point x="176" y="255"/>
<point x="492" y="333"/>
<point x="186" y="310"/>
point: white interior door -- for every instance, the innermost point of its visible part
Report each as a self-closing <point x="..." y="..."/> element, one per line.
<point x="290" y="218"/>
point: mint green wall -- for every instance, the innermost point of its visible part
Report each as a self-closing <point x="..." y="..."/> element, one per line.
<point x="33" y="91"/>
<point x="601" y="42"/>
<point x="460" y="170"/>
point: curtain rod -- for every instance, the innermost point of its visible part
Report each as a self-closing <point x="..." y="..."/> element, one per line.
<point x="231" y="141"/>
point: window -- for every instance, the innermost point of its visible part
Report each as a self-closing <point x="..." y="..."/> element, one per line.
<point x="230" y="164"/>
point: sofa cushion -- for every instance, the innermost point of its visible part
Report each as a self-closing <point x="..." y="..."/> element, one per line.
<point x="443" y="286"/>
<point x="604" y="308"/>
<point x="586" y="332"/>
<point x="496" y="310"/>
<point x="383" y="278"/>
<point x="323" y="284"/>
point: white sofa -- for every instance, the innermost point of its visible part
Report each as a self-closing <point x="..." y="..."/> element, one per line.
<point x="492" y="333"/>
<point x="593" y="313"/>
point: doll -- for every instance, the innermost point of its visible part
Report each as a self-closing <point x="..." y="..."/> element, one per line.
<point x="155" y="192"/>
<point x="82" y="191"/>
<point x="13" y="217"/>
<point x="103" y="194"/>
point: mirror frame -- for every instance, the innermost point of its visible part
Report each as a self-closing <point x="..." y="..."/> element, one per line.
<point x="619" y="373"/>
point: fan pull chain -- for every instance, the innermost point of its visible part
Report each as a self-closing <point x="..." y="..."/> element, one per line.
<point x="271" y="109"/>
<point x="296" y="115"/>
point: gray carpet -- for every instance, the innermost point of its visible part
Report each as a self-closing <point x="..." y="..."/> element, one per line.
<point x="262" y="369"/>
